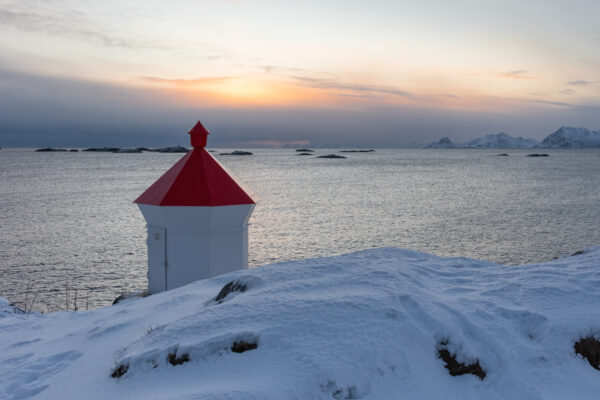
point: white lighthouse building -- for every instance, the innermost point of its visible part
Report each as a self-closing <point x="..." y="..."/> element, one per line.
<point x="197" y="219"/>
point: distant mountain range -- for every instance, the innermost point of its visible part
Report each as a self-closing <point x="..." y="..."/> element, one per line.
<point x="564" y="138"/>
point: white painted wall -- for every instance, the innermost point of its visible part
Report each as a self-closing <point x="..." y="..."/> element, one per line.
<point x="201" y="242"/>
<point x="157" y="253"/>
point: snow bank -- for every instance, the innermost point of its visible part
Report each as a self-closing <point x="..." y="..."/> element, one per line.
<point x="366" y="325"/>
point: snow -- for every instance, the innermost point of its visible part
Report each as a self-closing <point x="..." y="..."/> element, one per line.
<point x="502" y="141"/>
<point x="365" y="325"/>
<point x="6" y="308"/>
<point x="498" y="141"/>
<point x="567" y="137"/>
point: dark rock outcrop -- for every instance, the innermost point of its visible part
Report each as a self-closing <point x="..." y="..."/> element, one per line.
<point x="119" y="371"/>
<point x="242" y="346"/>
<point x="589" y="348"/>
<point x="175" y="149"/>
<point x="229" y="288"/>
<point x="174" y="360"/>
<point x="538" y="155"/>
<point x="331" y="156"/>
<point x="128" y="296"/>
<point x="237" y="153"/>
<point x="49" y="149"/>
<point x="456" y="368"/>
<point x="102" y="149"/>
<point x="357" y="151"/>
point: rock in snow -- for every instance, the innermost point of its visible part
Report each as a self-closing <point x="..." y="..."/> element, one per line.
<point x="368" y="325"/>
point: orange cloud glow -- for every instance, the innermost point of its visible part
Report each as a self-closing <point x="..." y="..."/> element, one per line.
<point x="302" y="90"/>
<point x="186" y="82"/>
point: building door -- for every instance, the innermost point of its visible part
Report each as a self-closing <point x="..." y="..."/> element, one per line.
<point x="157" y="259"/>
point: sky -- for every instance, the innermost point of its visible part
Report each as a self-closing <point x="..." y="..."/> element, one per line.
<point x="274" y="73"/>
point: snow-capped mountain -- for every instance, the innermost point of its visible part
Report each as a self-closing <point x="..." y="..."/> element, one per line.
<point x="564" y="138"/>
<point x="498" y="141"/>
<point x="572" y="138"/>
<point x="501" y="141"/>
<point x="444" y="143"/>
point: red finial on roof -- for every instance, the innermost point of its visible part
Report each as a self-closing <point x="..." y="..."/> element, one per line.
<point x="198" y="135"/>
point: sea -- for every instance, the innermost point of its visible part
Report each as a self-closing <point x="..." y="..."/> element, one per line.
<point x="71" y="236"/>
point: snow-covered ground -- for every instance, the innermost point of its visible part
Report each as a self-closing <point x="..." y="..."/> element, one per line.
<point x="366" y="325"/>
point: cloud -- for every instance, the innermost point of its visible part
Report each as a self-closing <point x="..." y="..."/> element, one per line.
<point x="550" y="103"/>
<point x="579" y="83"/>
<point x="320" y="83"/>
<point x="567" y="91"/>
<point x="328" y="81"/>
<point x="77" y="25"/>
<point x="273" y="69"/>
<point x="45" y="111"/>
<point x="518" y="74"/>
<point x="356" y="96"/>
<point x="68" y="25"/>
<point x="187" y="82"/>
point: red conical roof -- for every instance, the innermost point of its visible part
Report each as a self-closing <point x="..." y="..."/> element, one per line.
<point x="198" y="179"/>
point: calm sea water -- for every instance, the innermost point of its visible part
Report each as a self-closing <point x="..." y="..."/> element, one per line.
<point x="68" y="219"/>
